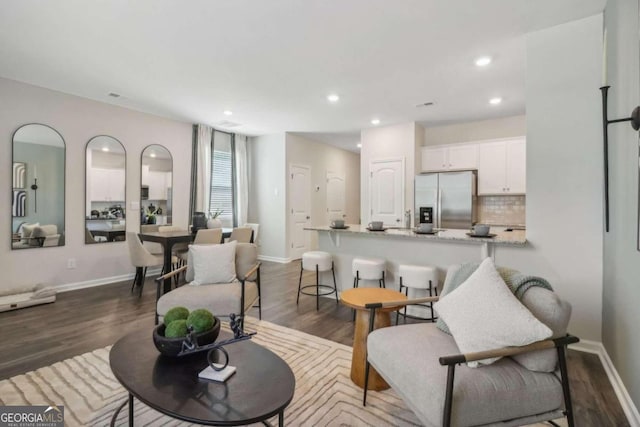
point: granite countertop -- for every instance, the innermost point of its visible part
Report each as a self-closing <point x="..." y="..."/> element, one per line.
<point x="515" y="237"/>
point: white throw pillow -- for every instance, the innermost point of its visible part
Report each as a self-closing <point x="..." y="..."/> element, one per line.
<point x="483" y="314"/>
<point x="213" y="263"/>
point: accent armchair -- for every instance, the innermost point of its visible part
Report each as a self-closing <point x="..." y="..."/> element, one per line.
<point x="221" y="299"/>
<point x="424" y="366"/>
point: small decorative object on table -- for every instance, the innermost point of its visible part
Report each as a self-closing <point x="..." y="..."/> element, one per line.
<point x="184" y="333"/>
<point x="213" y="221"/>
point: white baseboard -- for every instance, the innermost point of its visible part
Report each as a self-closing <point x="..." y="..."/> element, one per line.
<point x="102" y="281"/>
<point x="629" y="408"/>
<point x="274" y="259"/>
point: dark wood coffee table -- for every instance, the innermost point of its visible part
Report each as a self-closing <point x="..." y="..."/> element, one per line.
<point x="261" y="388"/>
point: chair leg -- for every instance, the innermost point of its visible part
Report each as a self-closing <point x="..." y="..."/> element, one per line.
<point x="448" y="401"/>
<point x="562" y="361"/>
<point x="406" y="293"/>
<point x="144" y="277"/>
<point x="317" y="288"/>
<point x="384" y="284"/>
<point x="398" y="312"/>
<point x="357" y="282"/>
<point x="259" y="294"/>
<point x="433" y="319"/>
<point x="299" y="285"/>
<point x="335" y="286"/>
<point x="366" y="382"/>
<point x="135" y="279"/>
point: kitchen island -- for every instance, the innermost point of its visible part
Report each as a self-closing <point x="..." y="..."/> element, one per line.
<point x="404" y="246"/>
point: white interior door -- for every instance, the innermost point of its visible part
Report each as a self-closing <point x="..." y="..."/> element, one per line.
<point x="387" y="191"/>
<point x="300" y="202"/>
<point x="335" y="196"/>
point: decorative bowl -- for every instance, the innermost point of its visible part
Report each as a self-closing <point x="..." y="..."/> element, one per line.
<point x="172" y="346"/>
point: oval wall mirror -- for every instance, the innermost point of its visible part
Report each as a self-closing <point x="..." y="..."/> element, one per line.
<point x="156" y="187"/>
<point x="38" y="183"/>
<point x="105" y="190"/>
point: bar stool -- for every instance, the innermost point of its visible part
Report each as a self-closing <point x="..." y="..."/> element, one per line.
<point x="317" y="261"/>
<point x="418" y="277"/>
<point x="368" y="269"/>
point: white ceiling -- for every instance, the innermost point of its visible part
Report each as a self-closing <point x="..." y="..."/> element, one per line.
<point x="274" y="62"/>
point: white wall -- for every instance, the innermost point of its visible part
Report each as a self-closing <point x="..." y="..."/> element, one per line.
<point x="564" y="169"/>
<point x="621" y="315"/>
<point x="322" y="158"/>
<point x="503" y="127"/>
<point x="78" y="120"/>
<point x="267" y="194"/>
<point x="397" y="141"/>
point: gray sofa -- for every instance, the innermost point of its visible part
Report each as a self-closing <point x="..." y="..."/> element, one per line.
<point x="423" y="365"/>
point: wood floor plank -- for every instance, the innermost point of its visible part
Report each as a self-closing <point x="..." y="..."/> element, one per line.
<point x="84" y="320"/>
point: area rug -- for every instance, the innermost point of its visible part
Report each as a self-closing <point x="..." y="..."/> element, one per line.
<point x="324" y="396"/>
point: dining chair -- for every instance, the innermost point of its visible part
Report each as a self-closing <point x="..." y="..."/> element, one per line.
<point x="153" y="247"/>
<point x="255" y="228"/>
<point x="241" y="235"/>
<point x="141" y="259"/>
<point x="204" y="236"/>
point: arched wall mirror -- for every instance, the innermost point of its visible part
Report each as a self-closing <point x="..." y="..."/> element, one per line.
<point x="37" y="208"/>
<point x="156" y="189"/>
<point x="105" y="197"/>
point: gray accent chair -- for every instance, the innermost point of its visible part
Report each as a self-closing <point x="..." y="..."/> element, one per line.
<point x="424" y="366"/>
<point x="221" y="299"/>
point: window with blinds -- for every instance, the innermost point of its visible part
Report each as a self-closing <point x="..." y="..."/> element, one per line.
<point x="221" y="196"/>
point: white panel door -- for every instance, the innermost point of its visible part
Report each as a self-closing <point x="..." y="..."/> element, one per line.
<point x="335" y="196"/>
<point x="300" y="202"/>
<point x="387" y="191"/>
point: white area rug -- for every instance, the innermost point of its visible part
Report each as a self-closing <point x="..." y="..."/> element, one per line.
<point x="324" y="396"/>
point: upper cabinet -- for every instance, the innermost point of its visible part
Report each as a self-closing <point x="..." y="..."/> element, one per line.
<point x="450" y="157"/>
<point x="502" y="167"/>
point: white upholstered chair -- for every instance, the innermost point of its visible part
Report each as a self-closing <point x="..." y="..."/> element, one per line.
<point x="141" y="259"/>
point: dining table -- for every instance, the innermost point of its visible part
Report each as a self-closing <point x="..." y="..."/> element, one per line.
<point x="167" y="239"/>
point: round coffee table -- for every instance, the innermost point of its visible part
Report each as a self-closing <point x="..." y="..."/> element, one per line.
<point x="357" y="298"/>
<point x="261" y="387"/>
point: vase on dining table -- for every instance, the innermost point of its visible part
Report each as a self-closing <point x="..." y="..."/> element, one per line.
<point x="214" y="223"/>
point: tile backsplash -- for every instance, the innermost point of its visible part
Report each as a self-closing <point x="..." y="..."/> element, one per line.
<point x="502" y="210"/>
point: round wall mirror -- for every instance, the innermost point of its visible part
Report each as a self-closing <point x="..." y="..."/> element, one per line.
<point x="156" y="189"/>
<point x="105" y="197"/>
<point x="37" y="208"/>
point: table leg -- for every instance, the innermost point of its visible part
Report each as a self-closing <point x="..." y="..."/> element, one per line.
<point x="358" y="360"/>
<point x="130" y="410"/>
<point x="281" y="419"/>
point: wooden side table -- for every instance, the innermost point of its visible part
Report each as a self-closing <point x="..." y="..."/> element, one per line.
<point x="357" y="298"/>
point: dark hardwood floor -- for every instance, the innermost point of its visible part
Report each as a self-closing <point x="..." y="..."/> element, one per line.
<point x="83" y="320"/>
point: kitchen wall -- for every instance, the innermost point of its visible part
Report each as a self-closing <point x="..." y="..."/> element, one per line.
<point x="268" y="194"/>
<point x="322" y="158"/>
<point x="503" y="127"/>
<point x="621" y="295"/>
<point x="78" y="120"/>
<point x="389" y="142"/>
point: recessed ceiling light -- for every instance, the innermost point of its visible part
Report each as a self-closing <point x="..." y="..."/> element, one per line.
<point x="152" y="154"/>
<point x="495" y="101"/>
<point x="375" y="121"/>
<point x="105" y="149"/>
<point x="359" y="145"/>
<point x="483" y="61"/>
<point x="227" y="112"/>
<point x="333" y="98"/>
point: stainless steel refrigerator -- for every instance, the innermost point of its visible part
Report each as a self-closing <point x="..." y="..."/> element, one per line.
<point x="446" y="199"/>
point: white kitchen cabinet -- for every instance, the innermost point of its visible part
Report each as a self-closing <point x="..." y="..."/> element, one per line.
<point x="107" y="185"/>
<point x="502" y="167"/>
<point x="157" y="182"/>
<point x="450" y="157"/>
